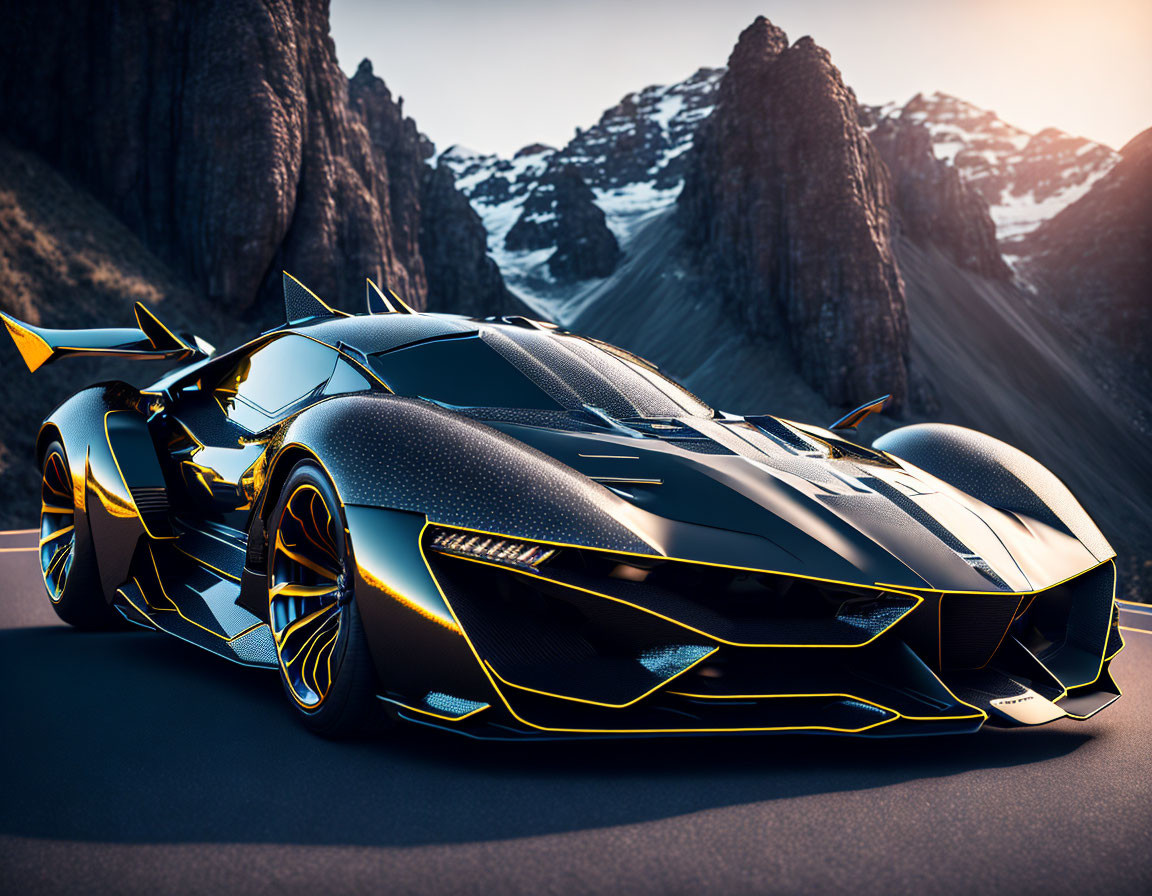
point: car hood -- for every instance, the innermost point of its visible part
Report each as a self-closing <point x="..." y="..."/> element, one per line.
<point x="801" y="501"/>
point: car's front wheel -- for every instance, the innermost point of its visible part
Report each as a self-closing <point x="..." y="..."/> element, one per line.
<point x="325" y="665"/>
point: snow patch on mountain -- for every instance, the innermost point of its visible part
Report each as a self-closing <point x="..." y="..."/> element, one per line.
<point x="632" y="159"/>
<point x="1025" y="178"/>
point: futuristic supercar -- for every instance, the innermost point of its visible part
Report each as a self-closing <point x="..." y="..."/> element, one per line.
<point x="498" y="528"/>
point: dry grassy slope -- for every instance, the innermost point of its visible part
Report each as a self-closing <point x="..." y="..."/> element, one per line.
<point x="65" y="261"/>
<point x="989" y="357"/>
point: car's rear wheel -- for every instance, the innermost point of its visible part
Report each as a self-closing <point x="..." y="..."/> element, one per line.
<point x="67" y="562"/>
<point x="325" y="665"/>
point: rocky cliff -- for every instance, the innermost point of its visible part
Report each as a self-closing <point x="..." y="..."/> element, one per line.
<point x="225" y="135"/>
<point x="786" y="205"/>
<point x="1094" y="260"/>
<point x="934" y="206"/>
<point x="561" y="212"/>
<point x="462" y="278"/>
<point x="1025" y="178"/>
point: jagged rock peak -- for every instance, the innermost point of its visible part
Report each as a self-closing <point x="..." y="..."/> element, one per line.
<point x="786" y="205"/>
<point x="533" y="149"/>
<point x="934" y="205"/>
<point x="561" y="211"/>
<point x="759" y="40"/>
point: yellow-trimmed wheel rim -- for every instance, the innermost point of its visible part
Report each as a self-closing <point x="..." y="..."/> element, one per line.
<point x="309" y="592"/>
<point x="57" y="525"/>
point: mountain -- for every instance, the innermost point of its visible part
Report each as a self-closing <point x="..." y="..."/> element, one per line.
<point x="933" y="204"/>
<point x="1025" y="178"/>
<point x="1094" y="261"/>
<point x="67" y="261"/>
<point x="181" y="155"/>
<point x="747" y="209"/>
<point x="226" y="137"/>
<point x="632" y="160"/>
<point x="786" y="207"/>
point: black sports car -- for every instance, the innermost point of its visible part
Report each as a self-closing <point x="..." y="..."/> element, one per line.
<point x="502" y="529"/>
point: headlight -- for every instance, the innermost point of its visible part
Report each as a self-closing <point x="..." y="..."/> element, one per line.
<point x="491" y="548"/>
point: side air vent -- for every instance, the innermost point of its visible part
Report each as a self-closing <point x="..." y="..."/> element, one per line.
<point x="152" y="503"/>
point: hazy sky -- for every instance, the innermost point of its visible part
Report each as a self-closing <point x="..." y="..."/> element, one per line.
<point x="498" y="74"/>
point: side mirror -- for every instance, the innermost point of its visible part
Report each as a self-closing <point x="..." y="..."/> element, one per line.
<point x="850" y="421"/>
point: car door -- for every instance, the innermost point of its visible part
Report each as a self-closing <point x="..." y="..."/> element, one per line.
<point x="221" y="425"/>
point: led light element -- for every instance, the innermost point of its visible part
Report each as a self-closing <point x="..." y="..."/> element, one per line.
<point x="505" y="551"/>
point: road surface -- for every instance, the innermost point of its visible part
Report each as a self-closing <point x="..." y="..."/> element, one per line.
<point x="134" y="763"/>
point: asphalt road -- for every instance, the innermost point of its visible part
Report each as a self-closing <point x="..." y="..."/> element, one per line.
<point x="134" y="763"/>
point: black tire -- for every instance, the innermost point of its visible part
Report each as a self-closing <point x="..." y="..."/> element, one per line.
<point x="67" y="559"/>
<point x="303" y="562"/>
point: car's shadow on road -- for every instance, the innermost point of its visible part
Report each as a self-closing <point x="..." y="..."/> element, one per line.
<point x="139" y="738"/>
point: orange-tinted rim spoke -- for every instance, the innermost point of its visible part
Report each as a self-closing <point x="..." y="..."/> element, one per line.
<point x="307" y="595"/>
<point x="57" y="526"/>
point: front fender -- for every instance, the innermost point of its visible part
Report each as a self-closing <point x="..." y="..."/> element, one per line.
<point x="997" y="474"/>
<point x="409" y="455"/>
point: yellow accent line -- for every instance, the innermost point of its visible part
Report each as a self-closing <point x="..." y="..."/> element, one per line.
<point x="657" y="687"/>
<point x="399" y="301"/>
<point x="333" y="311"/>
<point x="435" y="715"/>
<point x="383" y="298"/>
<point x="281" y="545"/>
<point x="999" y="593"/>
<point x="202" y="562"/>
<point x="711" y="637"/>
<point x="976" y="715"/>
<point x="52" y="536"/>
<point x="612" y="456"/>
<point x="1113" y="654"/>
<point x="662" y="556"/>
<point x="1127" y="603"/>
<point x="139" y="516"/>
<point x="512" y="712"/>
<point x="141" y="307"/>
<point x="15" y="550"/>
<point x="1129" y="628"/>
<point x="626" y="480"/>
<point x="17" y="531"/>
<point x="176" y="606"/>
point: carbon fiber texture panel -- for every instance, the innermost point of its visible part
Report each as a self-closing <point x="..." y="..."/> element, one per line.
<point x="255" y="647"/>
<point x="972" y="626"/>
<point x="406" y="454"/>
<point x="997" y="474"/>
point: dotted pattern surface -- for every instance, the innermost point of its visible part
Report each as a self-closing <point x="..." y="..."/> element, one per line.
<point x="383" y="332"/>
<point x="406" y="454"/>
<point x="589" y="385"/>
<point x="995" y="473"/>
<point x="256" y="647"/>
<point x="446" y="704"/>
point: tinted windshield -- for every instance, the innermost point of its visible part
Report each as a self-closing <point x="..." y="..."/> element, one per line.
<point x="512" y="367"/>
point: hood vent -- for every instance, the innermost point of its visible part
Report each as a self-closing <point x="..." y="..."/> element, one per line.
<point x="925" y="519"/>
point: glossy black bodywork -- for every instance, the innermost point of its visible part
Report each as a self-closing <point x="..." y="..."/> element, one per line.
<point x="704" y="572"/>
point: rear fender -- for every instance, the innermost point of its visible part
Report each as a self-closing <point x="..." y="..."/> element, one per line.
<point x="114" y="472"/>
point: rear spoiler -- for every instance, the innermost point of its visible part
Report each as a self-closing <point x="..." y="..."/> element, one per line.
<point x="149" y="340"/>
